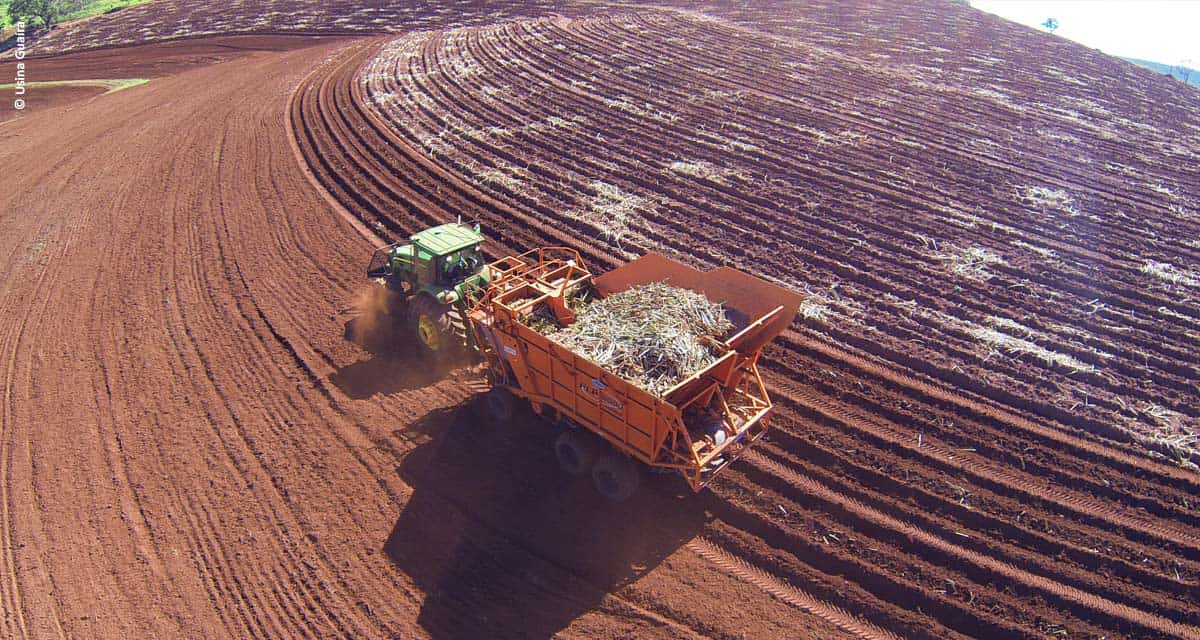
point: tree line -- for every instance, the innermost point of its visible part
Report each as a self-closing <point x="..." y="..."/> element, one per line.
<point x="41" y="13"/>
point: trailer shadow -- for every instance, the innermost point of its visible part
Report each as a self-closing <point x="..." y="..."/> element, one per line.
<point x="505" y="544"/>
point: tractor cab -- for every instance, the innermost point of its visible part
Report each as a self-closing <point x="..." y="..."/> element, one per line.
<point x="444" y="255"/>
<point x="432" y="274"/>
<point x="453" y="268"/>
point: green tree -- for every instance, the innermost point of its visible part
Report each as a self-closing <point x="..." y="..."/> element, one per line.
<point x="47" y="12"/>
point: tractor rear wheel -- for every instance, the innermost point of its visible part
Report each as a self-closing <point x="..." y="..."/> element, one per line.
<point x="439" y="328"/>
<point x="576" y="451"/>
<point x="616" y="476"/>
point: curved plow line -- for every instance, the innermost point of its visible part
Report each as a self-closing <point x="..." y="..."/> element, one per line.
<point x="939" y="392"/>
<point x="10" y="597"/>
<point x="17" y="618"/>
<point x="1046" y="585"/>
<point x="290" y="126"/>
<point x="1017" y="483"/>
<point x="529" y="28"/>
<point x="787" y="593"/>
<point x="707" y="27"/>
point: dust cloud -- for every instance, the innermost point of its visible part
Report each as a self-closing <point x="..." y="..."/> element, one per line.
<point x="375" y="322"/>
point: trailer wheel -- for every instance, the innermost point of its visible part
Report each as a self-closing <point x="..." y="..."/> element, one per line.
<point x="576" y="451"/>
<point x="500" y="405"/>
<point x="616" y="477"/>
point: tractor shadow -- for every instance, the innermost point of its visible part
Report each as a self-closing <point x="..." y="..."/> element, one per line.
<point x="505" y="544"/>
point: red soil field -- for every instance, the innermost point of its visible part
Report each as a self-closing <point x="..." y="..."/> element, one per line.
<point x="192" y="19"/>
<point x="190" y="449"/>
<point x="983" y="416"/>
<point x="50" y="98"/>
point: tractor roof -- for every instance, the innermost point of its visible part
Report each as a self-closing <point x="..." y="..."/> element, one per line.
<point x="447" y="238"/>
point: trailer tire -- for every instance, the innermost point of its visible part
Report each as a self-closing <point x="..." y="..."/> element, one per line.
<point x="500" y="405"/>
<point x="616" y="476"/>
<point x="576" y="451"/>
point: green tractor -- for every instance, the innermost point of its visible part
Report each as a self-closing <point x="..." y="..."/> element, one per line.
<point x="431" y="277"/>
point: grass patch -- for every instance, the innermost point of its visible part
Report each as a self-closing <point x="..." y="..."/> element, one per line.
<point x="111" y="84"/>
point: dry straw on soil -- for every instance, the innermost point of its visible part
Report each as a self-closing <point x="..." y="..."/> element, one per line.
<point x="969" y="262"/>
<point x="611" y="210"/>
<point x="652" y="335"/>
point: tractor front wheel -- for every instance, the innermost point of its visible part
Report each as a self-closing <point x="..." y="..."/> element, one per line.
<point x="439" y="328"/>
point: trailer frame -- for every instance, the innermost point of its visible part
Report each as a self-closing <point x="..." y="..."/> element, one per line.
<point x="699" y="426"/>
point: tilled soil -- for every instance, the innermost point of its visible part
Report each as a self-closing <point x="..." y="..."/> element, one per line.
<point x="207" y="433"/>
<point x="931" y="482"/>
<point x="192" y="447"/>
<point x="47" y="98"/>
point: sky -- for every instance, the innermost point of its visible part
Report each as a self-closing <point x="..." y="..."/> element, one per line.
<point x="1165" y="31"/>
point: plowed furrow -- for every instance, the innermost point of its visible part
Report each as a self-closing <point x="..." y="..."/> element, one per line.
<point x="906" y="202"/>
<point x="1101" y="608"/>
<point x="787" y="593"/>
<point x="1092" y="556"/>
<point x="948" y="515"/>
<point x="1160" y="477"/>
<point x="1107" y="293"/>
<point x="784" y="87"/>
<point x="995" y="476"/>
<point x="943" y="459"/>
<point x="1069" y="522"/>
<point x="1168" y="380"/>
<point x="202" y="281"/>
<point x="887" y="571"/>
<point x="605" y="37"/>
<point x="781" y="88"/>
<point x="14" y="617"/>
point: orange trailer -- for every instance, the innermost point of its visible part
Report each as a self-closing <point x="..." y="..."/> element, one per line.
<point x="696" y="428"/>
